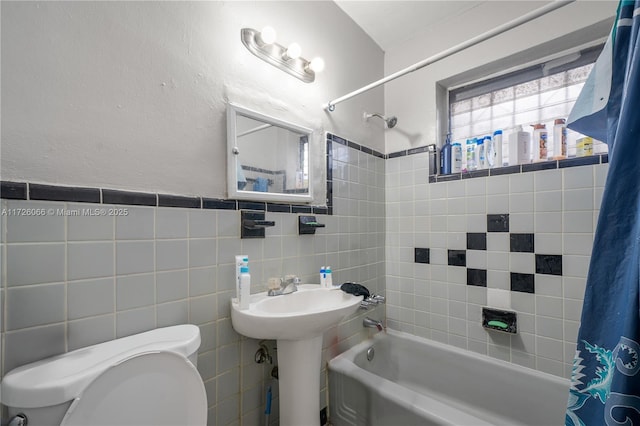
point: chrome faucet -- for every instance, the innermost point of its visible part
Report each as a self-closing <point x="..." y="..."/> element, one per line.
<point x="371" y="323"/>
<point x="288" y="285"/>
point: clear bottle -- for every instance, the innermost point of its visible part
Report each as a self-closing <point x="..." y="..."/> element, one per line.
<point x="540" y="142"/>
<point x="560" y="138"/>
<point x="471" y="154"/>
<point x="456" y="158"/>
<point x="481" y="154"/>
<point x="241" y="260"/>
<point x="497" y="146"/>
<point x="245" y="288"/>
<point x="329" y="278"/>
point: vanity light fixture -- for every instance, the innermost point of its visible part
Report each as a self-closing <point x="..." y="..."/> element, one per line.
<point x="263" y="45"/>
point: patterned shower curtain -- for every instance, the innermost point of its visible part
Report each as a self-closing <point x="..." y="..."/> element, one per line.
<point x="605" y="382"/>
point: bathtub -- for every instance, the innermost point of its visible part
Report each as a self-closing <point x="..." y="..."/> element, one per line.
<point x="415" y="381"/>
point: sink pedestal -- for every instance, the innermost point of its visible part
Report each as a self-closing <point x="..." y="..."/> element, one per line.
<point x="299" y="364"/>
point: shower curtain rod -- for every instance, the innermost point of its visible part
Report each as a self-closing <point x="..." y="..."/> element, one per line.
<point x="331" y="105"/>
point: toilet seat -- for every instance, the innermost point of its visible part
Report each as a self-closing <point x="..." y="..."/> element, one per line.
<point x="151" y="388"/>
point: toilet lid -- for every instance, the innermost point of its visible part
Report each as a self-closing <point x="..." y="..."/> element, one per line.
<point x="153" y="388"/>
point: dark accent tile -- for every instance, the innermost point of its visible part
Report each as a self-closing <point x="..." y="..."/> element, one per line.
<point x="320" y="210"/>
<point x="543" y="165"/>
<point x="63" y="193"/>
<point x="521" y="243"/>
<point x="329" y="136"/>
<point x="397" y="154"/>
<point x="549" y="264"/>
<point x="417" y="150"/>
<point x="477" y="277"/>
<point x="579" y="161"/>
<point x="476" y="241"/>
<point x="251" y="205"/>
<point x="13" y="190"/>
<point x="280" y="208"/>
<point x="329" y="193"/>
<point x="447" y="178"/>
<point x="366" y="150"/>
<point x="475" y="174"/>
<point x="339" y="140"/>
<point x="353" y="145"/>
<point x="421" y="255"/>
<point x="508" y="170"/>
<point x="112" y="196"/>
<point x="457" y="257"/>
<point x="166" y="200"/>
<point x="330" y="210"/>
<point x="301" y="209"/>
<point x="432" y="179"/>
<point x="604" y="158"/>
<point x="524" y="283"/>
<point x="498" y="222"/>
<point x="216" y="204"/>
<point x="377" y="154"/>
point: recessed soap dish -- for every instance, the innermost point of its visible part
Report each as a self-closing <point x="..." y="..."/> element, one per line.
<point x="500" y="320"/>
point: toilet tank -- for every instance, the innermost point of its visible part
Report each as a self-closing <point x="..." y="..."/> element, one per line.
<point x="46" y="387"/>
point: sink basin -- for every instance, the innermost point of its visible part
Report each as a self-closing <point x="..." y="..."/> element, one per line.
<point x="306" y="313"/>
<point x="297" y="321"/>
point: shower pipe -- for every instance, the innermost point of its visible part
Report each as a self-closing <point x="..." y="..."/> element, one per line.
<point x="557" y="4"/>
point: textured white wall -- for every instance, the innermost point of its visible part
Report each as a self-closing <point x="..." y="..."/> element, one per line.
<point x="132" y="95"/>
<point x="413" y="97"/>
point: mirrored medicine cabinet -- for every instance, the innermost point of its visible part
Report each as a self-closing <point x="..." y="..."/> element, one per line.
<point x="268" y="159"/>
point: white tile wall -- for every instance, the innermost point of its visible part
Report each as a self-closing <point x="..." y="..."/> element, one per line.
<point x="74" y="281"/>
<point x="559" y="206"/>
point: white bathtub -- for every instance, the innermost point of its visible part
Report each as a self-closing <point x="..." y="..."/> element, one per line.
<point x="415" y="381"/>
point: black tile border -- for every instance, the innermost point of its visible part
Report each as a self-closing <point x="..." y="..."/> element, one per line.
<point x="13" y="190"/>
<point x="64" y="193"/>
<point x="165" y="200"/>
<point x="477" y="277"/>
<point x="476" y="240"/>
<point x="112" y="196"/>
<point x="520" y="168"/>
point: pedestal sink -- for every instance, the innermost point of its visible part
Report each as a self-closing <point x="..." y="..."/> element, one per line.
<point x="297" y="321"/>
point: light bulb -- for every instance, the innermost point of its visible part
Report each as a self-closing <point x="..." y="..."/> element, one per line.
<point x="268" y="35"/>
<point x="293" y="51"/>
<point x="316" y="65"/>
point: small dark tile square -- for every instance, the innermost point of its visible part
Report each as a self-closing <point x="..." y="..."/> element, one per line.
<point x="579" y="161"/>
<point x="457" y="257"/>
<point x="353" y="145"/>
<point x="498" y="222"/>
<point x="339" y="140"/>
<point x="377" y="154"/>
<point x="366" y="150"/>
<point x="281" y="208"/>
<point x="432" y="179"/>
<point x="397" y="154"/>
<point x="448" y="178"/>
<point x="544" y="165"/>
<point x="477" y="277"/>
<point x="521" y="243"/>
<point x="476" y="241"/>
<point x="524" y="283"/>
<point x="13" y="190"/>
<point x="507" y="170"/>
<point x="320" y="210"/>
<point x="549" y="264"/>
<point x="417" y="150"/>
<point x="604" y="158"/>
<point x="475" y="174"/>
<point x="421" y="255"/>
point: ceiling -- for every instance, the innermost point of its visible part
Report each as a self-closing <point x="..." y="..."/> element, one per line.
<point x="390" y="23"/>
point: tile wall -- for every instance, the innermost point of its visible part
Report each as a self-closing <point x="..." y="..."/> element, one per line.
<point x="520" y="240"/>
<point x="69" y="281"/>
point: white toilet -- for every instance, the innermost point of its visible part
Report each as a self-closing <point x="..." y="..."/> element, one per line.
<point x="145" y="379"/>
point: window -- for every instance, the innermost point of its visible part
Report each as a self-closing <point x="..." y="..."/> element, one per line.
<point x="537" y="94"/>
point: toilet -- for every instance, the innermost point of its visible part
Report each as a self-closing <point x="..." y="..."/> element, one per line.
<point x="145" y="379"/>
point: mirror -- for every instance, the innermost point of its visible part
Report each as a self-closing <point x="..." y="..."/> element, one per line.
<point x="267" y="158"/>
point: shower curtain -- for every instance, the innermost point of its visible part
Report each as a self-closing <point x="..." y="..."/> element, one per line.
<point x="605" y="382"/>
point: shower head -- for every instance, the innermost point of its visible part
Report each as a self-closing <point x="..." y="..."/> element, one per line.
<point x="389" y="123"/>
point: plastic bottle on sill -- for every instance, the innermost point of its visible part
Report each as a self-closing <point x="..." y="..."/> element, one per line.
<point x="471" y="154"/>
<point x="560" y="139"/>
<point x="456" y="157"/>
<point x="540" y="142"/>
<point x="245" y="288"/>
<point x="497" y="147"/>
<point x="481" y="154"/>
<point x="445" y="157"/>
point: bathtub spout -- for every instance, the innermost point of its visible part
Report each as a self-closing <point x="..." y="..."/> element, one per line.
<point x="371" y="323"/>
